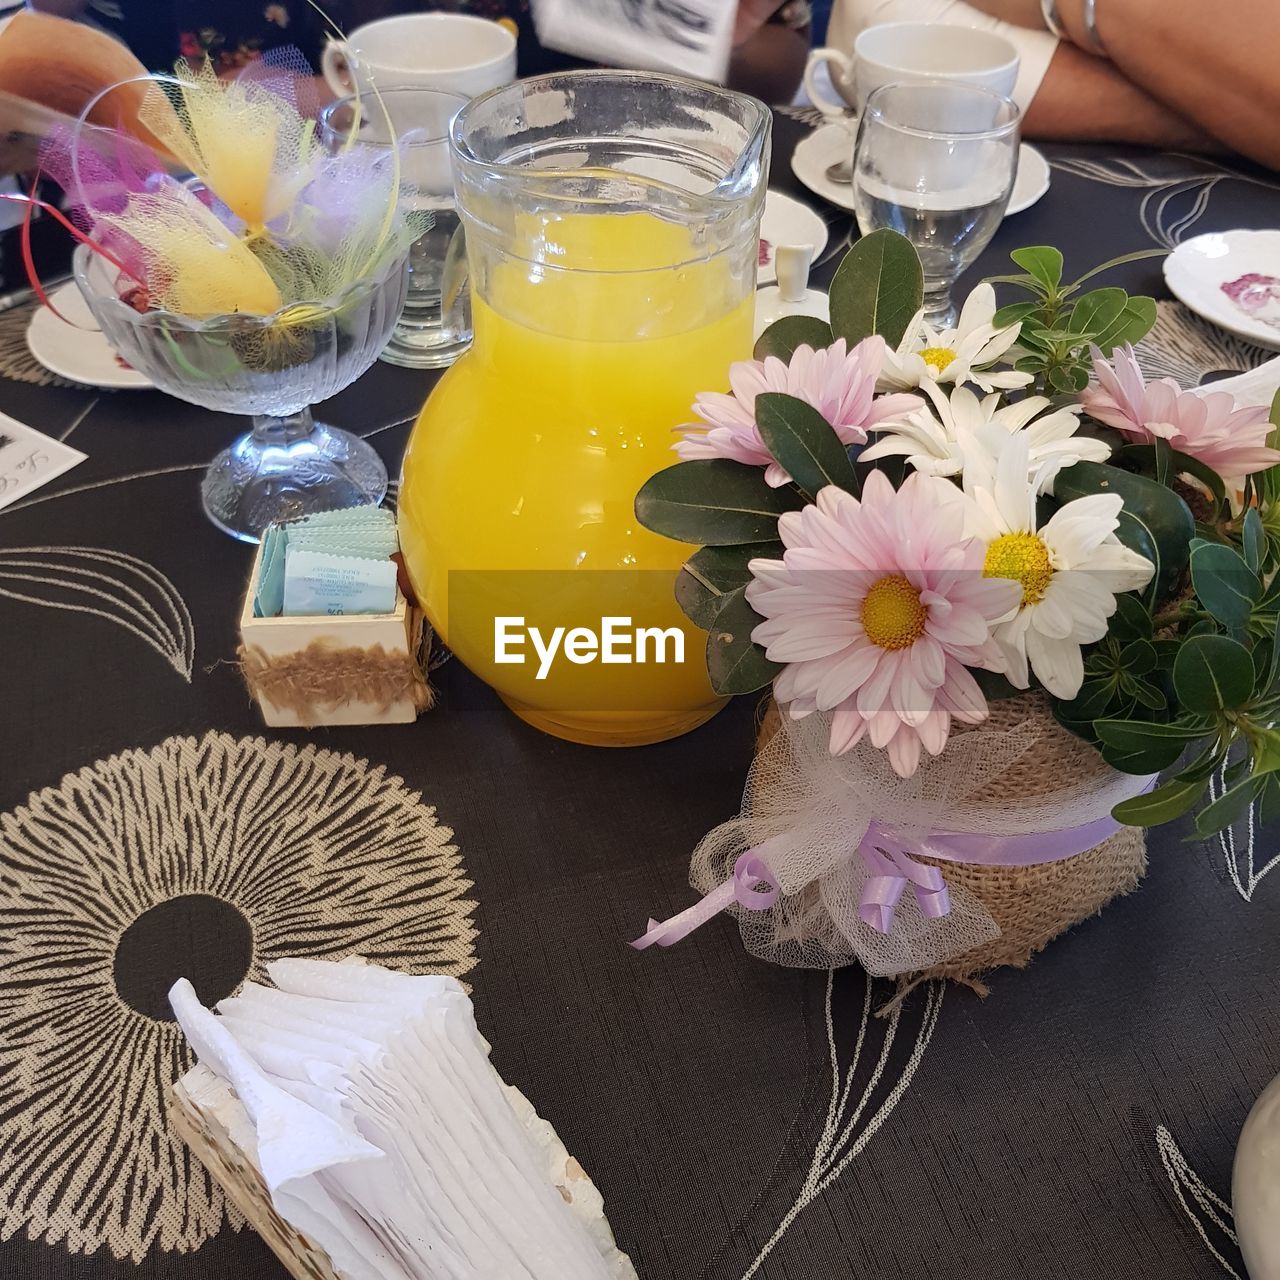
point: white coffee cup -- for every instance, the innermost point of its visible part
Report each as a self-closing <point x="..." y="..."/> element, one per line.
<point x="450" y="51"/>
<point x="898" y="52"/>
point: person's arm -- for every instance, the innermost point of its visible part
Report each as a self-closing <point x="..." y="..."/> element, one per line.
<point x="768" y="57"/>
<point x="1212" y="66"/>
<point x="1085" y="99"/>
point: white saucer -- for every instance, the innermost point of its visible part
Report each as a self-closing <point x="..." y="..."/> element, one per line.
<point x="833" y="142"/>
<point x="79" y="354"/>
<point x="1198" y="268"/>
<point x="787" y="221"/>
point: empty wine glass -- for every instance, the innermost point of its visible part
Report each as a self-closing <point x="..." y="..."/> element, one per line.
<point x="936" y="161"/>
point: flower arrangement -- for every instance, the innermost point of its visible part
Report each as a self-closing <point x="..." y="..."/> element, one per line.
<point x="898" y="525"/>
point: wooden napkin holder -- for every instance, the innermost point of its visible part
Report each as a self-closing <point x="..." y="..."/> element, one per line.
<point x="206" y="1114"/>
<point x="357" y="669"/>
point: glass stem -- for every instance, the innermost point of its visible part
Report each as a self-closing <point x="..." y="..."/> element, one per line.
<point x="280" y="432"/>
<point x="938" y="309"/>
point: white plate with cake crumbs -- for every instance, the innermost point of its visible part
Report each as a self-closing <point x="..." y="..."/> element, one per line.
<point x="1232" y="279"/>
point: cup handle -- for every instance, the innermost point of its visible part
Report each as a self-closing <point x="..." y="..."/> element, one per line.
<point x="844" y="66"/>
<point x="335" y="63"/>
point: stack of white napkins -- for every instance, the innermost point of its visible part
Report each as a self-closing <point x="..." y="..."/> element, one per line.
<point x="385" y="1135"/>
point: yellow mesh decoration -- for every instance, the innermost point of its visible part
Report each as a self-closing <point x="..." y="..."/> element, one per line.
<point x="241" y="139"/>
<point x="196" y="266"/>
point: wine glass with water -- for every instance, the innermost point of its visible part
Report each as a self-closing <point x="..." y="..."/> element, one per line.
<point x="936" y="161"/>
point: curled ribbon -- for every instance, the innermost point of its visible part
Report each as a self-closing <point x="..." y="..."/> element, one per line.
<point x="888" y="858"/>
<point x="748" y="871"/>
<point x="890" y="855"/>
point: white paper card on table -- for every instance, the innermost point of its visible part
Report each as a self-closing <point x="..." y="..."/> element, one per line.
<point x="692" y="37"/>
<point x="29" y="459"/>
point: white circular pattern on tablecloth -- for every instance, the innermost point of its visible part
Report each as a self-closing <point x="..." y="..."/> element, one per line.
<point x="322" y="855"/>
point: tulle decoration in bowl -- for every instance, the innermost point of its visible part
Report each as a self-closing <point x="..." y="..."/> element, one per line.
<point x="273" y="367"/>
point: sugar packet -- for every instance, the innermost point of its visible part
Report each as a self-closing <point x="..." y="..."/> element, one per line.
<point x="322" y="583"/>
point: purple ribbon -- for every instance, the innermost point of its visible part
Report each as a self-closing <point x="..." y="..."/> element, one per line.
<point x="749" y="870"/>
<point x="890" y="855"/>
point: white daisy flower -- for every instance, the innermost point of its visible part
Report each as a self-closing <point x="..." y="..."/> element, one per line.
<point x="963" y="354"/>
<point x="965" y="436"/>
<point x="1070" y="571"/>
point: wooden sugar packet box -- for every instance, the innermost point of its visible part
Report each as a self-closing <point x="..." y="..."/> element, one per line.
<point x="357" y="669"/>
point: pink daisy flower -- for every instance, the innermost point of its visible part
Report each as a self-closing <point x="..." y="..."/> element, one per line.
<point x="878" y="608"/>
<point x="839" y="383"/>
<point x="1203" y="424"/>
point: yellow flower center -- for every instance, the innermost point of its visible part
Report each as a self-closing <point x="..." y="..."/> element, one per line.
<point x="1021" y="557"/>
<point x="937" y="357"/>
<point x="892" y="615"/>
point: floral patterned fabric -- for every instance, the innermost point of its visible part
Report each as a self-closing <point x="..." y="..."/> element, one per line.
<point x="234" y="33"/>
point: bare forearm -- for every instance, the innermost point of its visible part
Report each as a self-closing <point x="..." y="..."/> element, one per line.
<point x="1083" y="98"/>
<point x="1215" y="64"/>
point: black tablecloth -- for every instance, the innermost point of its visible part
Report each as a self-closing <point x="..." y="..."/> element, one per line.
<point x="741" y="1120"/>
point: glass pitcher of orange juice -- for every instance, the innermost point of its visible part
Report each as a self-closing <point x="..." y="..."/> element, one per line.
<point x="612" y="232"/>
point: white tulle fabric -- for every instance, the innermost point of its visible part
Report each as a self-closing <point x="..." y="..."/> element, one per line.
<point x="814" y="808"/>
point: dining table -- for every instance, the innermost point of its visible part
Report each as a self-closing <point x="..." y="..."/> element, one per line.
<point x="740" y="1119"/>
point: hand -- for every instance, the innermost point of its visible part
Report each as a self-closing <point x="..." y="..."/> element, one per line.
<point x="752" y="15"/>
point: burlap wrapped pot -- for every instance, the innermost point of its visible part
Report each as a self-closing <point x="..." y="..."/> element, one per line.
<point x="1031" y="905"/>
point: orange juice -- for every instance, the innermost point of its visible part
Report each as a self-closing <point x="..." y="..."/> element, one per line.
<point x="520" y="478"/>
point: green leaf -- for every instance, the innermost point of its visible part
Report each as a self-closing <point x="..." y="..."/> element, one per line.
<point x="1275" y="413"/>
<point x="1150" y="696"/>
<point x="1098" y="311"/>
<point x="994" y="686"/>
<point x="1143" y="735"/>
<point x="734" y="663"/>
<point x="1266" y="752"/>
<point x="1131" y="621"/>
<point x="710" y="576"/>
<point x="878" y="288"/>
<point x="1092" y="701"/>
<point x="1136" y="256"/>
<point x="1229" y="806"/>
<point x="1273" y="667"/>
<point x="783" y="336"/>
<point x="1227" y="587"/>
<point x="1014" y="313"/>
<point x="1023" y="281"/>
<point x="1269" y="800"/>
<point x="1135" y="323"/>
<point x="1060" y="379"/>
<point x="1041" y="261"/>
<point x="1164" y="804"/>
<point x="1154" y="521"/>
<point x="1254" y="539"/>
<point x="804" y="442"/>
<point x="1144" y="456"/>
<point x="714" y="502"/>
<point x="1138" y="658"/>
<point x="1212" y="674"/>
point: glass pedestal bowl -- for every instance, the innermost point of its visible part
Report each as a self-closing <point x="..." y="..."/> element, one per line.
<point x="273" y="368"/>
